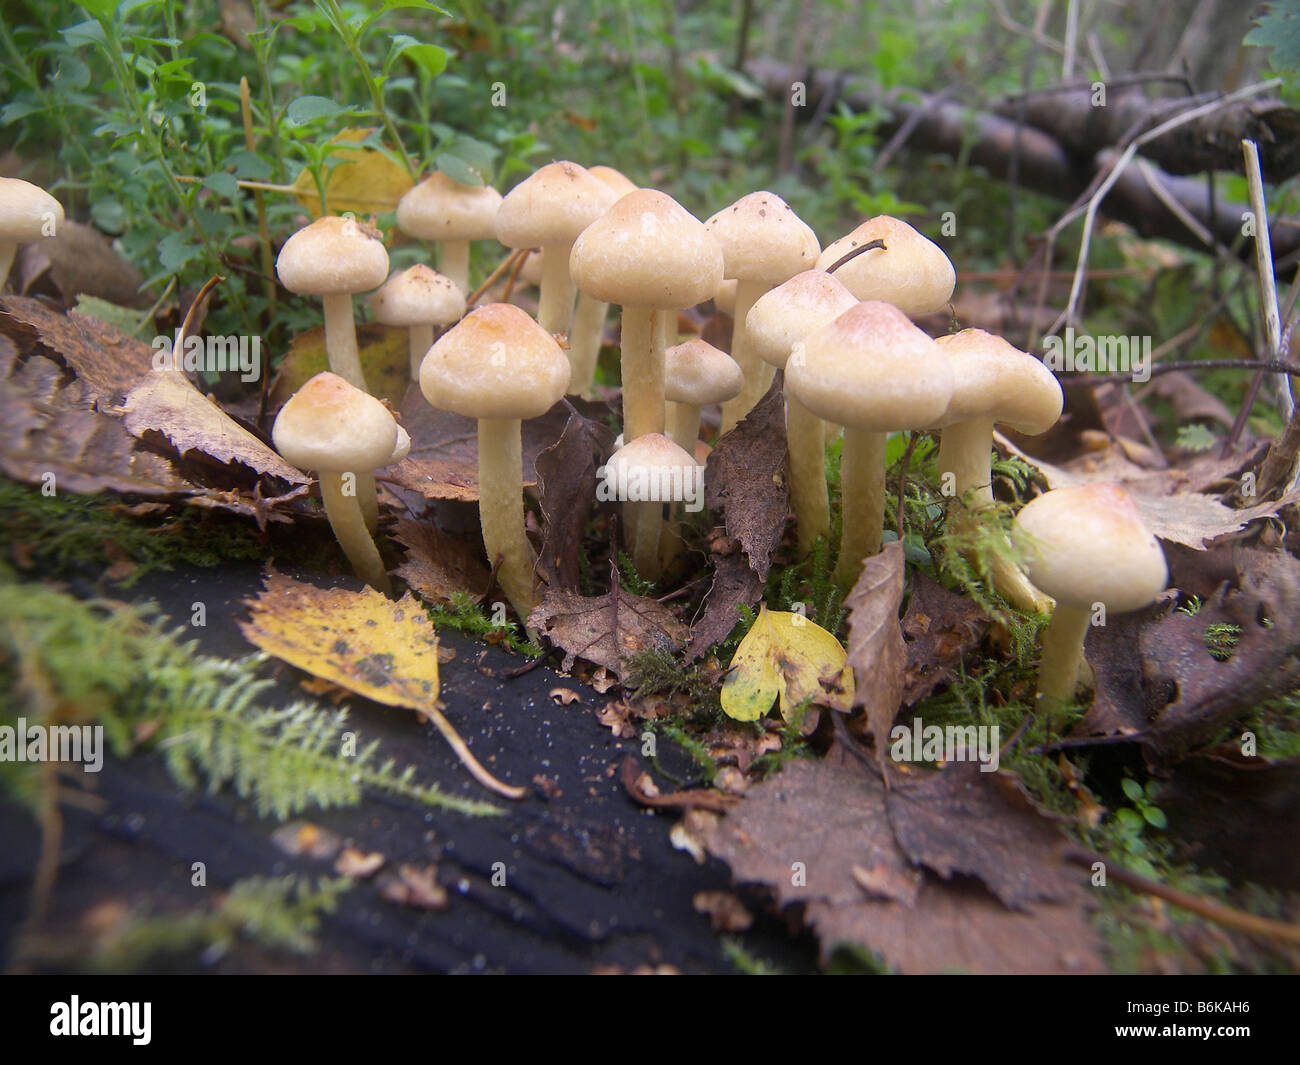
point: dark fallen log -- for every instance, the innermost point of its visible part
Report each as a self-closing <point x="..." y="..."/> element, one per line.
<point x="1043" y="163"/>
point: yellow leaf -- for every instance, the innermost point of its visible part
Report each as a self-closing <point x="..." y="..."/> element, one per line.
<point x="384" y="351"/>
<point x="787" y="657"/>
<point x="365" y="182"/>
<point x="362" y="641"/>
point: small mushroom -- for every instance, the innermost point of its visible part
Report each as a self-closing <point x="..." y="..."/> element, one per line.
<point x="778" y="321"/>
<point x="419" y="299"/>
<point x="910" y="271"/>
<point x="27" y="213"/>
<point x="335" y="257"/>
<point x="647" y="253"/>
<point x="763" y="244"/>
<point x="993" y="382"/>
<point x="548" y="210"/>
<point x="499" y="367"/>
<point x="1086" y="546"/>
<point x="652" y="474"/>
<point x="874" y="372"/>
<point x="342" y="433"/>
<point x="696" y="374"/>
<point x="450" y="214"/>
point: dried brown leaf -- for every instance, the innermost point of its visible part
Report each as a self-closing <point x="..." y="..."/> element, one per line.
<point x="942" y="627"/>
<point x="876" y="651"/>
<point x="735" y="584"/>
<point x="439" y="564"/>
<point x="566" y="482"/>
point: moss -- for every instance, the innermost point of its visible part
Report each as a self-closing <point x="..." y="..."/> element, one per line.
<point x="463" y="614"/>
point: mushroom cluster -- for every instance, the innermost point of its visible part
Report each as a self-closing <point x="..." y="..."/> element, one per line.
<point x="836" y="321"/>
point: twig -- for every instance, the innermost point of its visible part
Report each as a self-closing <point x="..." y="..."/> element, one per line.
<point x="850" y="256"/>
<point x="1117" y="82"/>
<point x="1035" y="34"/>
<point x="1269" y="365"/>
<point x="908" y="127"/>
<point x="187" y="323"/>
<point x="1264" y="266"/>
<point x="1175" y="208"/>
<point x="519" y="254"/>
<point x="1211" y="911"/>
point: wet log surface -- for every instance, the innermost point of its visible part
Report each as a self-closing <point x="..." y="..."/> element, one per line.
<point x="592" y="880"/>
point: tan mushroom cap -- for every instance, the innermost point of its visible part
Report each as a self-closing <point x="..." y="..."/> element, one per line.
<point x="552" y="206"/>
<point x="647" y="251"/>
<point x="991" y="378"/>
<point x="331" y="256"/>
<point x="697" y="373"/>
<point x="615" y="179"/>
<point x="792" y="311"/>
<point x="418" y="296"/>
<point x="402" y="448"/>
<point x="648" y="454"/>
<point x="330" y="426"/>
<point x="910" y="271"/>
<point x="439" y="208"/>
<point x="497" y="362"/>
<point x="872" y="369"/>
<point x="25" y="210"/>
<point x="1087" y="544"/>
<point x="762" y="239"/>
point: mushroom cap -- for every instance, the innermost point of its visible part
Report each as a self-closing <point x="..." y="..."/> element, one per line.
<point x="551" y="206"/>
<point x="333" y="255"/>
<point x="871" y="368"/>
<point x="785" y="315"/>
<point x="762" y="239"/>
<point x="24" y="210"/>
<point x="331" y="426"/>
<point x="1087" y="544"/>
<point x="649" y="454"/>
<point x="439" y="208"/>
<point x="615" y="179"/>
<point x="991" y="378"/>
<point x="418" y="296"/>
<point x="910" y="271"/>
<point x="699" y="374"/>
<point x="647" y="250"/>
<point x="497" y="362"/>
<point x="402" y="448"/>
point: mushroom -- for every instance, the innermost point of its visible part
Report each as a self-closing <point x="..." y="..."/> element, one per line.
<point x="419" y="299"/>
<point x="763" y="244"/>
<point x="333" y="258"/>
<point x="651" y="474"/>
<point x="910" y="271"/>
<point x="1087" y="547"/>
<point x="993" y="382"/>
<point x="695" y="375"/>
<point x="589" y="317"/>
<point x="548" y="210"/>
<point x="498" y="366"/>
<point x="450" y="214"/>
<point x="27" y="213"/>
<point x="778" y="321"/>
<point x="339" y="431"/>
<point x="646" y="253"/>
<point x="874" y="372"/>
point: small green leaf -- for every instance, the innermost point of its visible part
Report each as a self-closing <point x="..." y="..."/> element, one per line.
<point x="224" y="185"/>
<point x="457" y="169"/>
<point x="1132" y="789"/>
<point x="1196" y="437"/>
<point x="309" y="108"/>
<point x="1155" y="816"/>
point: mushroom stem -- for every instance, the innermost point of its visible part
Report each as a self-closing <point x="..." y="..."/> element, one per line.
<point x="420" y="343"/>
<point x="341" y="339"/>
<point x="807" y="457"/>
<point x="453" y="262"/>
<point x="685" y="425"/>
<point x="862" y="501"/>
<point x="1058" y="669"/>
<point x="584" y="343"/>
<point x="642" y="372"/>
<point x="368" y="500"/>
<point x="350" y="530"/>
<point x="7" y="251"/>
<point x="555" y="301"/>
<point x="965" y="451"/>
<point x="501" y="510"/>
<point x="747" y="294"/>
<point x="645" y="524"/>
